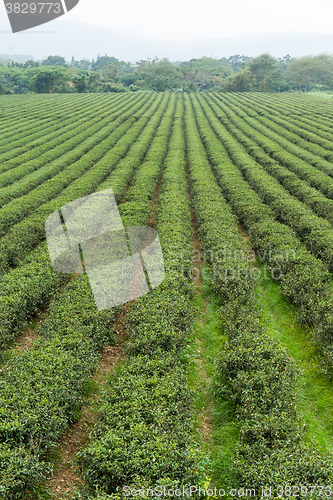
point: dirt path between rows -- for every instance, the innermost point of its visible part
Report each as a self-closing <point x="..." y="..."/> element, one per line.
<point x="205" y="417"/>
<point x="66" y="479"/>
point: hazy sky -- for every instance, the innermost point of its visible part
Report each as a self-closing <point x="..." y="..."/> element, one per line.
<point x="193" y="19"/>
<point x="183" y="19"/>
<point x="178" y="20"/>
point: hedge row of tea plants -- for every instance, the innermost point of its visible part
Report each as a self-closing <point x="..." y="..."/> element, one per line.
<point x="306" y="136"/>
<point x="315" y="232"/>
<point x="42" y="388"/>
<point x="44" y="107"/>
<point x="141" y="151"/>
<point x="314" y="123"/>
<point x="318" y="107"/>
<point x="312" y="175"/>
<point x="318" y="126"/>
<point x="263" y="108"/>
<point x="15" y="148"/>
<point x="73" y="333"/>
<point x="28" y="289"/>
<point x="25" y="292"/>
<point x="321" y="205"/>
<point x="293" y="131"/>
<point x="303" y="279"/>
<point x="253" y="370"/>
<point x="89" y="171"/>
<point x="295" y="106"/>
<point x="53" y="112"/>
<point x="99" y="137"/>
<point x="23" y="165"/>
<point x="85" y="137"/>
<point x="47" y="148"/>
<point x="13" y="136"/>
<point x="144" y="436"/>
<point x="293" y="152"/>
<point x="303" y="163"/>
<point x="26" y="111"/>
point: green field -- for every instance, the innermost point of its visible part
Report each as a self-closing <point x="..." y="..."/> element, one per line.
<point x="220" y="378"/>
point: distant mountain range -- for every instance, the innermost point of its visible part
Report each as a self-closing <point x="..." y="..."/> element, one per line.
<point x="15" y="57"/>
<point x="67" y="38"/>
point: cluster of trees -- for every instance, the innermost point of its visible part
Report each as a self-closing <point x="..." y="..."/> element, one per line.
<point x="107" y="74"/>
<point x="266" y="74"/>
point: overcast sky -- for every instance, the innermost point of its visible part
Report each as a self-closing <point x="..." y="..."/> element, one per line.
<point x="184" y="19"/>
<point x="181" y="20"/>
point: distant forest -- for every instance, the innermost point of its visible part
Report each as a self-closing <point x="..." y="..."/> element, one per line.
<point x="238" y="73"/>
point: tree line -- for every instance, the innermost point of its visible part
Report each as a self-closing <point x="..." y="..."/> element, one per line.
<point x="237" y="73"/>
